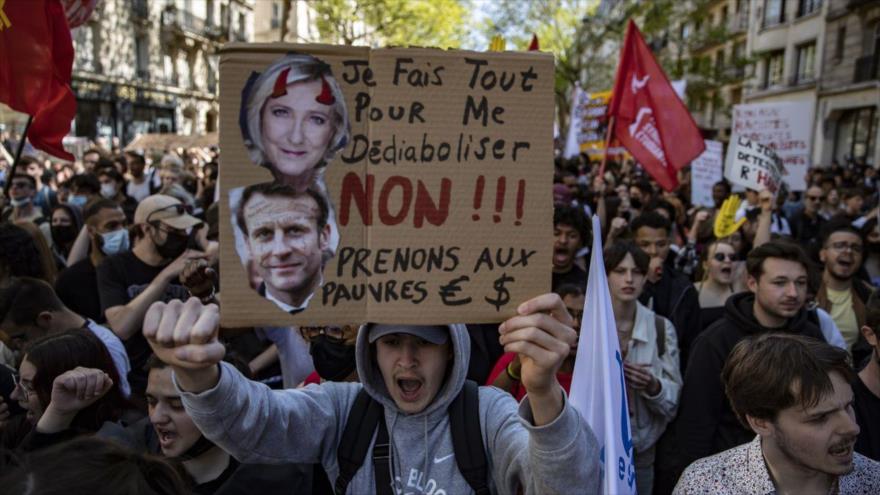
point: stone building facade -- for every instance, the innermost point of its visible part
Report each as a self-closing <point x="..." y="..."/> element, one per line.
<point x="150" y="66"/>
<point x="848" y="112"/>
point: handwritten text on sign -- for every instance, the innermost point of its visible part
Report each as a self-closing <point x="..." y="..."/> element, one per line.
<point x="442" y="196"/>
<point x="754" y="166"/>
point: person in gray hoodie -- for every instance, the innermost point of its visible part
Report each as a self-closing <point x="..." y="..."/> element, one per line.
<point x="541" y="445"/>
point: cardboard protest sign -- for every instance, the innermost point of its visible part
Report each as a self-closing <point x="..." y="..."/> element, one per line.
<point x="786" y="127"/>
<point x="590" y="110"/>
<point x="753" y="165"/>
<point x="389" y="185"/>
<point x="706" y="170"/>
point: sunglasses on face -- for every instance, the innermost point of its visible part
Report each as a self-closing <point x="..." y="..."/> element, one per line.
<point x="720" y="257"/>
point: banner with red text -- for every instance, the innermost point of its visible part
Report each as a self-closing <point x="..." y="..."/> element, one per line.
<point x="383" y="185"/>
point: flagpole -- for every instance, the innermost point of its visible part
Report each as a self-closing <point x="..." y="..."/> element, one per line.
<point x="18" y="151"/>
<point x="611" y="120"/>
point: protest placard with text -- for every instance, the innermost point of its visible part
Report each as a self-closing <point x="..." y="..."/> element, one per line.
<point x="784" y="126"/>
<point x="753" y="165"/>
<point x="706" y="170"/>
<point x="439" y="200"/>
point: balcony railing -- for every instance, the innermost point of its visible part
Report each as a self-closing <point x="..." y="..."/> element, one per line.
<point x="866" y="68"/>
<point x="184" y="20"/>
<point x="799" y="79"/>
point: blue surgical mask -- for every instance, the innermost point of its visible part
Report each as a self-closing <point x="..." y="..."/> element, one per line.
<point x="114" y="242"/>
<point x="77" y="200"/>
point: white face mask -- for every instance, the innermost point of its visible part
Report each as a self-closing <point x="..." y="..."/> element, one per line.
<point x="108" y="191"/>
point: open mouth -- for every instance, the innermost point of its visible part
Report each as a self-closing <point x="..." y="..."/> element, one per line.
<point x="726" y="270"/>
<point x="409" y="388"/>
<point x="166" y="437"/>
<point x="844" y="451"/>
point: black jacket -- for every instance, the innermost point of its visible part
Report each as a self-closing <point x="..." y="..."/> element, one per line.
<point x="706" y="423"/>
<point x="675" y="298"/>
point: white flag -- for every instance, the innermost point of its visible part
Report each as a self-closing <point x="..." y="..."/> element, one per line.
<point x="598" y="391"/>
<point x="572" y="146"/>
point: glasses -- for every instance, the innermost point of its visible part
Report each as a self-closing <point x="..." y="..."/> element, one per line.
<point x="333" y="334"/>
<point x="720" y="257"/>
<point x="842" y="246"/>
<point x="816" y="198"/>
<point x="26" y="389"/>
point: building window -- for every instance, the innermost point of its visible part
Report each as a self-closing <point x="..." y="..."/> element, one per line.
<point x="275" y="22"/>
<point x="856" y="135"/>
<point x="806" y="60"/>
<point x="774" y="65"/>
<point x="685" y="31"/>
<point x="774" y="12"/>
<point x="142" y="55"/>
<point x="840" y="43"/>
<point x="808" y="6"/>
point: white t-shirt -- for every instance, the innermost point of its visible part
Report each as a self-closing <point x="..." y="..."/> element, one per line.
<point x="117" y="352"/>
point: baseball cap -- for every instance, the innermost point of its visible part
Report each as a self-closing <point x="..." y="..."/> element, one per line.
<point x="166" y="209"/>
<point x="437" y="334"/>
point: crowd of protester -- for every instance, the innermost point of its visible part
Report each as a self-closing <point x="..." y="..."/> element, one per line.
<point x="766" y="338"/>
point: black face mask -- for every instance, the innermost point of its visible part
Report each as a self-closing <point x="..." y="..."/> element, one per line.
<point x="334" y="361"/>
<point x="201" y="446"/>
<point x="635" y="203"/>
<point x="175" y="245"/>
<point x="62" y="234"/>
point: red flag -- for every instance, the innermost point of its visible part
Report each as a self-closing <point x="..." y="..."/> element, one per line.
<point x="37" y="54"/>
<point x="650" y="119"/>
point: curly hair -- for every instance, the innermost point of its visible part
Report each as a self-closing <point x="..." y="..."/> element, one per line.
<point x="19" y="256"/>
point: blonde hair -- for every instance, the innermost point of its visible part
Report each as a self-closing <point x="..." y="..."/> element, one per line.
<point x="303" y="68"/>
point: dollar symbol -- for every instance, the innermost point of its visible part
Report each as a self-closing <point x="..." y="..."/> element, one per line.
<point x="503" y="296"/>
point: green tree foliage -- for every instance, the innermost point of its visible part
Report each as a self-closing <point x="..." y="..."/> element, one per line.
<point x="439" y="23"/>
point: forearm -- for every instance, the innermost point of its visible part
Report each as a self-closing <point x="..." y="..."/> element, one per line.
<point x="264" y="359"/>
<point x="546" y="405"/>
<point x="80" y="249"/>
<point x="762" y="236"/>
<point x="125" y="321"/>
<point x="54" y="421"/>
<point x="196" y="381"/>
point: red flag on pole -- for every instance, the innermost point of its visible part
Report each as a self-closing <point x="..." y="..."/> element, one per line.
<point x="37" y="54"/>
<point x="650" y="120"/>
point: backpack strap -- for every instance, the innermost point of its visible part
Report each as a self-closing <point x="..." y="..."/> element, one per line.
<point x="467" y="438"/>
<point x="381" y="461"/>
<point x="660" y="331"/>
<point x="363" y="417"/>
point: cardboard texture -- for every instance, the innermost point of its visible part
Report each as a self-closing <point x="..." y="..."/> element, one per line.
<point x="440" y="202"/>
<point x="786" y="127"/>
<point x="753" y="165"/>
